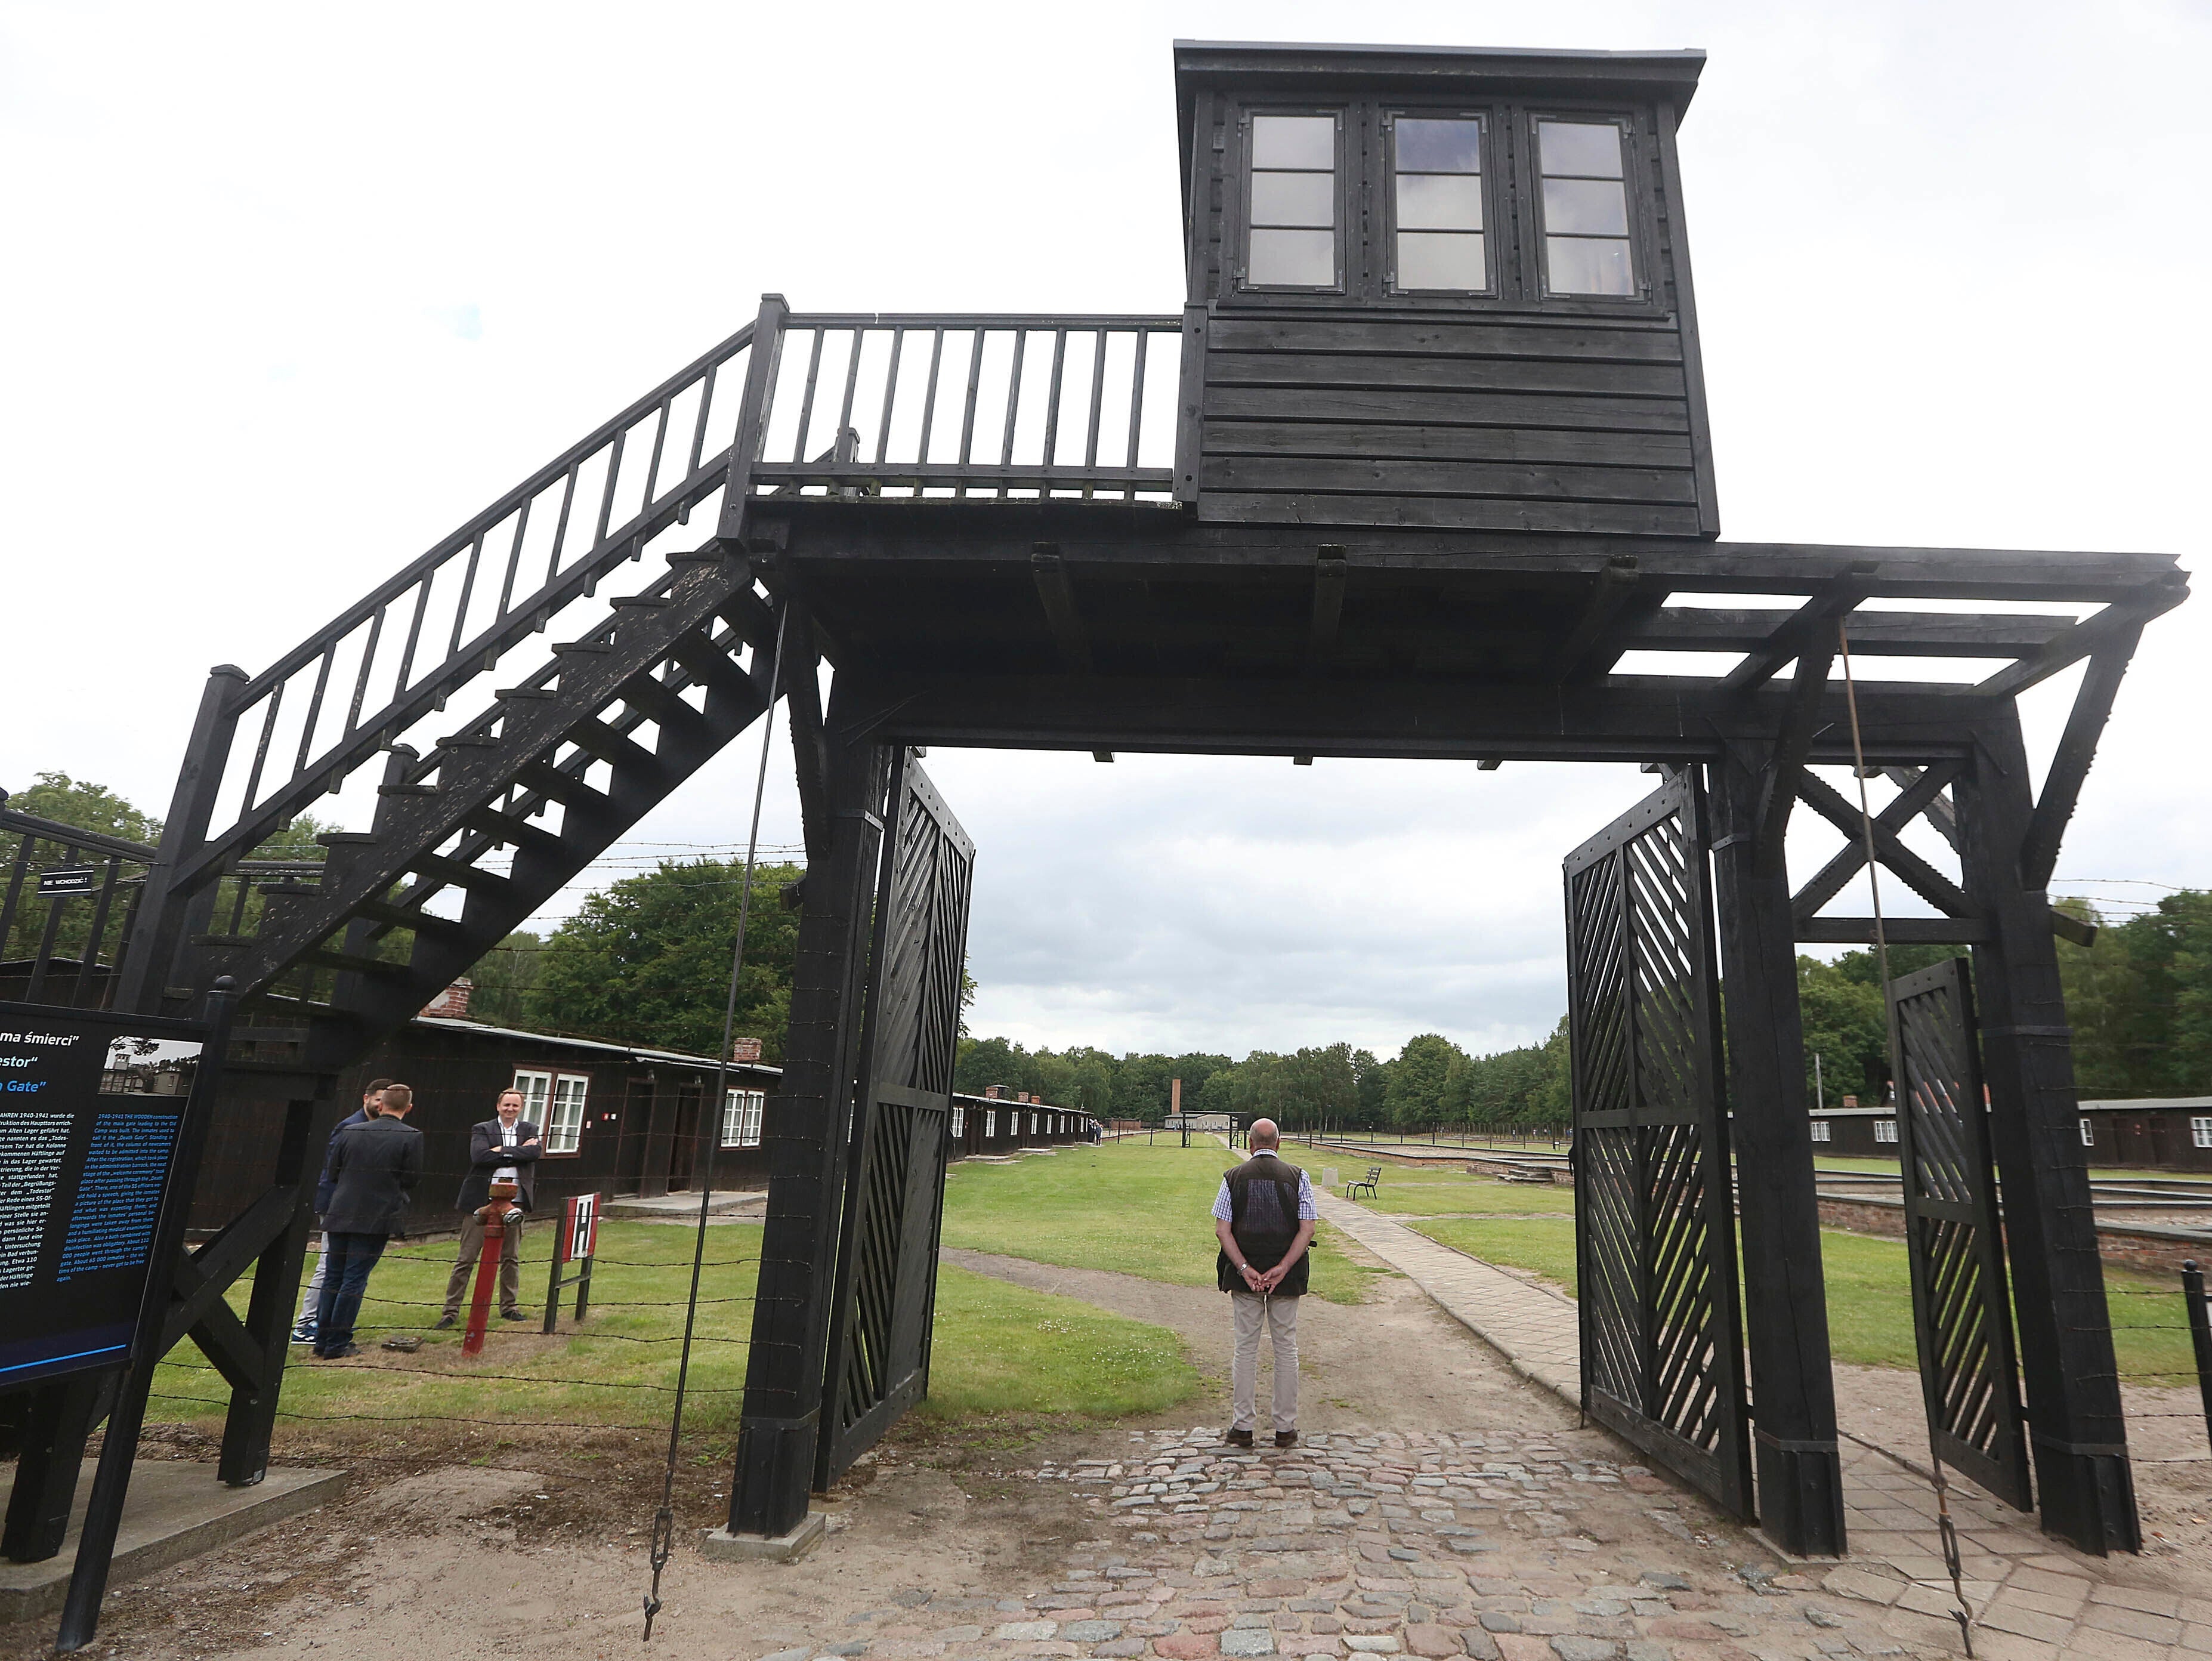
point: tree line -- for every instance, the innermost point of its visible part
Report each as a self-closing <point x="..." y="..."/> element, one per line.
<point x="646" y="961"/>
<point x="1431" y="1082"/>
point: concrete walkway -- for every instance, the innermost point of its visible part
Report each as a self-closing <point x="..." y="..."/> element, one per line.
<point x="2033" y="1598"/>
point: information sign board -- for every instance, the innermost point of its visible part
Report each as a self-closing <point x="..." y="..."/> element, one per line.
<point x="68" y="880"/>
<point x="92" y="1120"/>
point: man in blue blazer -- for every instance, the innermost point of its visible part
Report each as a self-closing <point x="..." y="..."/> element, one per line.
<point x="374" y="1171"/>
<point x="303" y="1329"/>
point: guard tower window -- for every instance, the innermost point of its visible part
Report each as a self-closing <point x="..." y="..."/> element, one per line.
<point x="1437" y="205"/>
<point x="1586" y="238"/>
<point x="1293" y="202"/>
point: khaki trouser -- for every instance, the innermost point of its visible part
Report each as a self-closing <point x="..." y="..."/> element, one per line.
<point x="510" y="1264"/>
<point x="1281" y="1316"/>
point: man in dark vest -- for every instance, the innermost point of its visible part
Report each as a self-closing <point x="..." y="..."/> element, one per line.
<point x="1264" y="1218"/>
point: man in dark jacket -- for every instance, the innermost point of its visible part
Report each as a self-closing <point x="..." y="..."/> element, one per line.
<point x="303" y="1329"/>
<point x="505" y="1141"/>
<point x="1264" y="1219"/>
<point x="374" y="1170"/>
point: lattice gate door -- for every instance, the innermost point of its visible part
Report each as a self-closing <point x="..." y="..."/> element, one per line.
<point x="886" y="1280"/>
<point x="1655" y="1224"/>
<point x="1961" y="1312"/>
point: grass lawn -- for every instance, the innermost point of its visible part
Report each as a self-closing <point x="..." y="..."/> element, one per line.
<point x="1419" y="1193"/>
<point x="998" y="1348"/>
<point x="1869" y="1299"/>
<point x="1121" y="1206"/>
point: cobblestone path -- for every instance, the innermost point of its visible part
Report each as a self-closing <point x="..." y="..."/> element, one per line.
<point x="1500" y="1546"/>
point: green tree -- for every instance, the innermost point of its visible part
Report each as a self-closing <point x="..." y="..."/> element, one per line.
<point x="1371" y="1079"/>
<point x="983" y="1062"/>
<point x="504" y="978"/>
<point x="1415" y="1094"/>
<point x="1845" y="1024"/>
<point x="646" y="961"/>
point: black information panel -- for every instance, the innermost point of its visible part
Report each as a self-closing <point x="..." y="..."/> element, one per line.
<point x="91" y="1114"/>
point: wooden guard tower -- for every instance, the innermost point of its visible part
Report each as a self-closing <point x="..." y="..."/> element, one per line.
<point x="1421" y="460"/>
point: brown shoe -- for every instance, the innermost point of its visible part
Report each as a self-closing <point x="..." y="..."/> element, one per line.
<point x="1238" y="1438"/>
<point x="1286" y="1439"/>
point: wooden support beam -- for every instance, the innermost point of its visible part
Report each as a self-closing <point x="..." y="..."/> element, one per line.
<point x="1901" y="931"/>
<point x="1915" y="873"/>
<point x="805" y="1138"/>
<point x="1940" y="812"/>
<point x="2069" y="765"/>
<point x="1578" y="652"/>
<point x="1489" y="764"/>
<point x="1921" y="793"/>
<point x="802" y="691"/>
<point x="2084" y="1483"/>
<point x="1058" y="595"/>
<point x="1813" y="620"/>
<point x="1102" y="755"/>
<point x="2114" y="629"/>
<point x="1328" y="605"/>
<point x="1785" y="768"/>
<point x="1800" y="1500"/>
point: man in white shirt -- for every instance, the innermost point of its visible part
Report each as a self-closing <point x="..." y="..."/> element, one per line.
<point x="1263" y="1219"/>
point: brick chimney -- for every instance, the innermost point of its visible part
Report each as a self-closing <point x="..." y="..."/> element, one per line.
<point x="453" y="1002"/>
<point x="744" y="1049"/>
<point x="990" y="1093"/>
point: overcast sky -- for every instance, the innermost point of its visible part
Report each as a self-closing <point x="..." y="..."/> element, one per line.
<point x="292" y="290"/>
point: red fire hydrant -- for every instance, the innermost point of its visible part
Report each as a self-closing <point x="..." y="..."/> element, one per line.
<point x="493" y="1215"/>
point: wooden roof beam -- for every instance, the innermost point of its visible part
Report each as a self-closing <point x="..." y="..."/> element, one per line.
<point x="1057" y="594"/>
<point x="1328" y="605"/>
<point x="1580" y="653"/>
<point x="1807" y="624"/>
<point x="1892" y="634"/>
<point x="2109" y="629"/>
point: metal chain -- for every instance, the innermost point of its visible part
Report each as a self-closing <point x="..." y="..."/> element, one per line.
<point x="1948" y="1530"/>
<point x="664" y="1520"/>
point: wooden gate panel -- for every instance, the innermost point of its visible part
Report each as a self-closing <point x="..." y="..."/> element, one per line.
<point x="1654" y="1237"/>
<point x="886" y="1279"/>
<point x="1961" y="1310"/>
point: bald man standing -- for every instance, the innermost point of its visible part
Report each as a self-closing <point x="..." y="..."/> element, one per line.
<point x="1264" y="1219"/>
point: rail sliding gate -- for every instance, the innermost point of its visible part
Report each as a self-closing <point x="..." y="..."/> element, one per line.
<point x="886" y="1285"/>
<point x="1655" y="1226"/>
<point x="1961" y="1312"/>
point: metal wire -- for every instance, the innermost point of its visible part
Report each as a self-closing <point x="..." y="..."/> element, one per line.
<point x="664" y="1520"/>
<point x="1948" y="1530"/>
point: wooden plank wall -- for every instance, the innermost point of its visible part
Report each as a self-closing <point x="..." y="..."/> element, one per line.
<point x="1493" y="422"/>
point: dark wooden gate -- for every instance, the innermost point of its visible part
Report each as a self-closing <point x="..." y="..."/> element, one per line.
<point x="886" y="1285"/>
<point x="1654" y="1237"/>
<point x="1961" y="1311"/>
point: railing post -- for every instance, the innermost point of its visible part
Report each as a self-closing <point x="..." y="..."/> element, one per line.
<point x="2200" y="1334"/>
<point x="753" y="415"/>
<point x="158" y="928"/>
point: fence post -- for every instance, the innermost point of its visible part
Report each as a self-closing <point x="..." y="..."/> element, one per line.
<point x="553" y="1280"/>
<point x="2200" y="1334"/>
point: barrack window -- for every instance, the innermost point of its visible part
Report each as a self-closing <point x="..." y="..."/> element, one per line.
<point x="1584" y="184"/>
<point x="1291" y="233"/>
<point x="1436" y="200"/>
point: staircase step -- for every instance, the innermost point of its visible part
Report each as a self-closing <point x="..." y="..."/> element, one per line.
<point x="221" y="942"/>
<point x="594" y="737"/>
<point x="583" y="648"/>
<point x="408" y="916"/>
<point x="622" y="602"/>
<point x="471" y="741"/>
<point x="565" y="788"/>
<point x="458" y="872"/>
<point x="708" y="662"/>
<point x="653" y="697"/>
<point x="526" y="693"/>
<point x="349" y="963"/>
<point x="411" y="790"/>
<point x="517" y="832"/>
